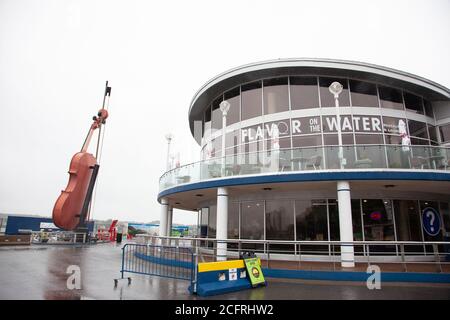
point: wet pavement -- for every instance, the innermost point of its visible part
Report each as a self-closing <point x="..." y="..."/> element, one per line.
<point x="39" y="272"/>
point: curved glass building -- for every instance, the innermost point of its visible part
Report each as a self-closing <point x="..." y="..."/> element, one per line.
<point x="296" y="162"/>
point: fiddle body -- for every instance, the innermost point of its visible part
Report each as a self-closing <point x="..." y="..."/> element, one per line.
<point x="68" y="206"/>
<point x="71" y="208"/>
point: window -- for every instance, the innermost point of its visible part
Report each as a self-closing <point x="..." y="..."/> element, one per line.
<point x="233" y="223"/>
<point x="428" y="108"/>
<point x="413" y="103"/>
<point x="252" y="223"/>
<point x="217" y="114"/>
<point x="417" y="129"/>
<point x="327" y="99"/>
<point x="251" y="100"/>
<point x="207" y="121"/>
<point x="445" y="133"/>
<point x="234" y="99"/>
<point x="212" y="221"/>
<point x="368" y="139"/>
<point x="363" y="94"/>
<point x="407" y="220"/>
<point x="432" y="133"/>
<point x="390" y="98"/>
<point x="378" y="223"/>
<point x="306" y="141"/>
<point x="280" y="223"/>
<point x="311" y="224"/>
<point x="304" y="92"/>
<point x="333" y="140"/>
<point x="276" y="96"/>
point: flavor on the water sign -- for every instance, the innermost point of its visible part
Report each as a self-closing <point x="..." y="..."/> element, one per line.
<point x="254" y="271"/>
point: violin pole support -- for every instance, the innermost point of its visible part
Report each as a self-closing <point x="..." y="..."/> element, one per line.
<point x="82" y="227"/>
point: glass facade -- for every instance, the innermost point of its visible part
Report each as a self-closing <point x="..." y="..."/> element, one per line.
<point x="289" y="94"/>
<point x="318" y="220"/>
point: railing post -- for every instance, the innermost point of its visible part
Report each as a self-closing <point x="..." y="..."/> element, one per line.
<point x="437" y="259"/>
<point x="123" y="259"/>
<point x="402" y="252"/>
<point x="268" y="255"/>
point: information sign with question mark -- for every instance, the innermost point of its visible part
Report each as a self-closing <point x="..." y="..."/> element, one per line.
<point x="431" y="221"/>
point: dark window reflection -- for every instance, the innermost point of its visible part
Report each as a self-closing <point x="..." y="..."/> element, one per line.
<point x="304" y="92"/>
<point x="327" y="99"/>
<point x="333" y="140"/>
<point x="417" y="129"/>
<point x="306" y="141"/>
<point x="233" y="223"/>
<point x="212" y="221"/>
<point x="251" y="100"/>
<point x="364" y="94"/>
<point x="276" y="96"/>
<point x="390" y="98"/>
<point x="378" y="223"/>
<point x="445" y="133"/>
<point x="428" y="108"/>
<point x="368" y="139"/>
<point x="432" y="133"/>
<point x="280" y="223"/>
<point x="407" y="220"/>
<point x="311" y="220"/>
<point x="252" y="223"/>
<point x="234" y="99"/>
<point x="413" y="103"/>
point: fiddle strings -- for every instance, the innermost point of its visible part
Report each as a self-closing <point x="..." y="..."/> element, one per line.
<point x="98" y="155"/>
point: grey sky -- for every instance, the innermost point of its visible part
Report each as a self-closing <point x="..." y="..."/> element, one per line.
<point x="56" y="55"/>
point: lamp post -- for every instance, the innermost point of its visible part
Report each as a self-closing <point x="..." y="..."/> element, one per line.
<point x="169" y="138"/>
<point x="336" y="89"/>
<point x="343" y="193"/>
<point x="224" y="107"/>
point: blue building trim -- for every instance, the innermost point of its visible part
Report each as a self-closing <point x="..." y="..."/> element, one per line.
<point x="357" y="276"/>
<point x="309" y="177"/>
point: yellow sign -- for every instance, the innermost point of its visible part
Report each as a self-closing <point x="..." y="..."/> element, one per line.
<point x="254" y="271"/>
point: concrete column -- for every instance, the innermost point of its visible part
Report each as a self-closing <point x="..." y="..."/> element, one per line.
<point x="163" y="217"/>
<point x="169" y="221"/>
<point x="345" y="223"/>
<point x="222" y="223"/>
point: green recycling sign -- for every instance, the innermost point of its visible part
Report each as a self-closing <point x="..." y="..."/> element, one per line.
<point x="254" y="271"/>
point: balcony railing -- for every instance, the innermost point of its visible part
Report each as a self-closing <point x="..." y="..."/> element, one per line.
<point x="355" y="157"/>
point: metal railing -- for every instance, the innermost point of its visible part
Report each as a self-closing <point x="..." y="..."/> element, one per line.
<point x="357" y="157"/>
<point x="324" y="255"/>
<point x="159" y="260"/>
<point x="58" y="237"/>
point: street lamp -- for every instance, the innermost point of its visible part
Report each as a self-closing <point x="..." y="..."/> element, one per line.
<point x="336" y="89"/>
<point x="224" y="107"/>
<point x="169" y="138"/>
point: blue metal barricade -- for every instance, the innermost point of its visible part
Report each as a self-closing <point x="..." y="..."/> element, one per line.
<point x="158" y="260"/>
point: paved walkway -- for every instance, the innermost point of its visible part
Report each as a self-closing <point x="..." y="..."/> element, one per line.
<point x="39" y="272"/>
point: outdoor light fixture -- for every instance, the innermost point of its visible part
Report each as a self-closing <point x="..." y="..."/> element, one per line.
<point x="169" y="138"/>
<point x="336" y="89"/>
<point x="224" y="107"/>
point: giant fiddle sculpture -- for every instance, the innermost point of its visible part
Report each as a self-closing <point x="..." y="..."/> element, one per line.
<point x="71" y="207"/>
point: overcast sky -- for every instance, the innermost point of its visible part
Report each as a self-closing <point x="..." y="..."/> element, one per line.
<point x="56" y="55"/>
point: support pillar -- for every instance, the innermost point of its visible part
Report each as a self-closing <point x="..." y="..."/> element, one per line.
<point x="222" y="223"/>
<point x="345" y="223"/>
<point x="163" y="217"/>
<point x="169" y="221"/>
